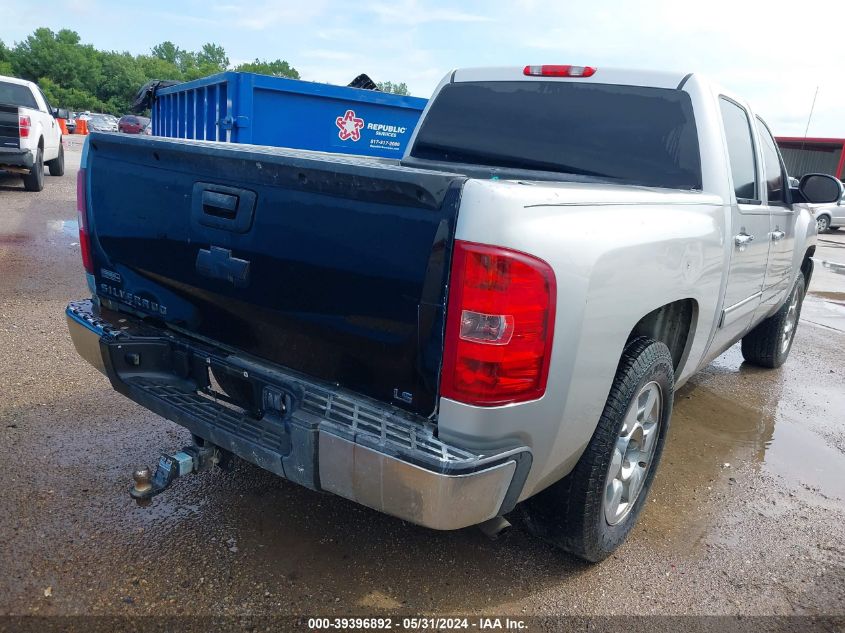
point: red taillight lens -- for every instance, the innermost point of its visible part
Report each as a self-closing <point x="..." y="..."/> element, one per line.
<point x="24" y="125"/>
<point x="553" y="70"/>
<point x="499" y="326"/>
<point x="82" y="213"/>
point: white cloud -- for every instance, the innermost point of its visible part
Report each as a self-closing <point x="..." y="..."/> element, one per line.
<point x="261" y="15"/>
<point x="773" y="56"/>
<point x="328" y="55"/>
<point x="409" y="12"/>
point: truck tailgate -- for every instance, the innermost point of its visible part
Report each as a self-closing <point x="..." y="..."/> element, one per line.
<point x="332" y="266"/>
<point x="9" y="130"/>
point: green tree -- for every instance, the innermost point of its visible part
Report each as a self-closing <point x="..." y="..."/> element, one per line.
<point x="5" y="60"/>
<point x="60" y="57"/>
<point x="168" y="51"/>
<point x="278" y="68"/>
<point x="73" y="98"/>
<point x="156" y="68"/>
<point x="213" y="55"/>
<point x="78" y="76"/>
<point x="122" y="76"/>
<point x="395" y="88"/>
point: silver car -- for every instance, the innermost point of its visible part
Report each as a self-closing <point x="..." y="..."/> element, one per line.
<point x="829" y="217"/>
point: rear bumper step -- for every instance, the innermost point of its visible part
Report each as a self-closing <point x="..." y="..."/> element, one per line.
<point x="318" y="435"/>
<point x="11" y="157"/>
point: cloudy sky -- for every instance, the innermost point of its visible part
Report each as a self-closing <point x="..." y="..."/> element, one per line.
<point x="774" y="54"/>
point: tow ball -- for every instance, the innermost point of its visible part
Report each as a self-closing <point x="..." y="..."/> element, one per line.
<point x="191" y="459"/>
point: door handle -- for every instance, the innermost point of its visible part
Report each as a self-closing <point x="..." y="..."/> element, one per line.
<point x="221" y="205"/>
<point x="777" y="235"/>
<point x="743" y="239"/>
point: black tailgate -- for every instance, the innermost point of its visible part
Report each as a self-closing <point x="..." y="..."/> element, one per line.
<point x="330" y="265"/>
<point x="9" y="126"/>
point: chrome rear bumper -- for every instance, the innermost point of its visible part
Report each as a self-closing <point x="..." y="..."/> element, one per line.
<point x="325" y="438"/>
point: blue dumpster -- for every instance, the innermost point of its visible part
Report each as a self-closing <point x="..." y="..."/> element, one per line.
<point x="264" y="110"/>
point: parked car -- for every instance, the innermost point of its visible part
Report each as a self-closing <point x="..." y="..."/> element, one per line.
<point x="30" y="137"/>
<point x="70" y="122"/>
<point x="133" y="124"/>
<point x="102" y="123"/>
<point x="502" y="316"/>
<point x="829" y="217"/>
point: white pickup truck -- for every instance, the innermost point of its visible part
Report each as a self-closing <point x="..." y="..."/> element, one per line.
<point x="494" y="324"/>
<point x="29" y="135"/>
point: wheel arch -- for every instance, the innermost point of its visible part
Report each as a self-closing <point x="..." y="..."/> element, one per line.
<point x="672" y="324"/>
<point x="807" y="266"/>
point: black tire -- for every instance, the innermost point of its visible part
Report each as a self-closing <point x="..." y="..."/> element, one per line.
<point x="571" y="513"/>
<point x="765" y="345"/>
<point x="34" y="180"/>
<point x="833" y="228"/>
<point x="57" y="165"/>
<point x="822" y="224"/>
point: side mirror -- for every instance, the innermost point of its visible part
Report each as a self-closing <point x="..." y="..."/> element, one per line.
<point x="61" y="113"/>
<point x="820" y="188"/>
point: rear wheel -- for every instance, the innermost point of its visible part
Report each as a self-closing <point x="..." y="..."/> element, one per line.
<point x="769" y="343"/>
<point x="34" y="180"/>
<point x="590" y="512"/>
<point x="57" y="165"/>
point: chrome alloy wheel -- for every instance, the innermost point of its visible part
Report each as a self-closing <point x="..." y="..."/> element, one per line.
<point x="633" y="454"/>
<point x="822" y="224"/>
<point x="791" y="322"/>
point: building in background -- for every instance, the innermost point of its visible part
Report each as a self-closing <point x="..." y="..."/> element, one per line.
<point x="813" y="155"/>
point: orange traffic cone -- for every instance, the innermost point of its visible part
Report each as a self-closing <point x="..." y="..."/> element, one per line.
<point x="62" y="126"/>
<point x="81" y="126"/>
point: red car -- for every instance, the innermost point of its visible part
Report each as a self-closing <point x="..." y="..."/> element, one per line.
<point x="131" y="124"/>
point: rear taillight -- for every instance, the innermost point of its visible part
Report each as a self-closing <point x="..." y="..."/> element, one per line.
<point x="24" y="125"/>
<point x="82" y="213"/>
<point x="499" y="326"/>
<point x="558" y="70"/>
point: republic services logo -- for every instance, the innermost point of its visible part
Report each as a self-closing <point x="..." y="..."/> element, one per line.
<point x="349" y="126"/>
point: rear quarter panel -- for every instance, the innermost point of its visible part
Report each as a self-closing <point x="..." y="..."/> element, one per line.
<point x="618" y="253"/>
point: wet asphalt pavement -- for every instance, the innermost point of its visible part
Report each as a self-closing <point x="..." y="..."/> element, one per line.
<point x="745" y="517"/>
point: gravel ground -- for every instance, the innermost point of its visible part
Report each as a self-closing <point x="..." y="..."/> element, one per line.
<point x="745" y="517"/>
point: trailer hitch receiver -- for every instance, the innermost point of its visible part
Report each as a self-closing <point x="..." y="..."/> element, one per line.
<point x="191" y="459"/>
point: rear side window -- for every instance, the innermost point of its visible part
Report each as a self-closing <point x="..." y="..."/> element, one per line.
<point x="740" y="150"/>
<point x="771" y="163"/>
<point x="623" y="133"/>
<point x="17" y="95"/>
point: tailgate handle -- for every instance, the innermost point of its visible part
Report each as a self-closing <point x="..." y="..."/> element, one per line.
<point x="220" y="205"/>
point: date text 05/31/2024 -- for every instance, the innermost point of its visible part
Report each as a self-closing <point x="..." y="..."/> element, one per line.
<point x="418" y="623"/>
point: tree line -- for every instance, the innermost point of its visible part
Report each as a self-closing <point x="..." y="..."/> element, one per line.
<point x="80" y="77"/>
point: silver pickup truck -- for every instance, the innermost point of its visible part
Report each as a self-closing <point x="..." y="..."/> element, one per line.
<point x="497" y="321"/>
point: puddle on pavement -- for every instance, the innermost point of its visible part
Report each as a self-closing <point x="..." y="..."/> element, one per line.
<point x="732" y="416"/>
<point x="835" y="297"/>
<point x="14" y="238"/>
<point x="804" y="459"/>
<point x="834" y="267"/>
<point x="66" y="227"/>
<point x="826" y="309"/>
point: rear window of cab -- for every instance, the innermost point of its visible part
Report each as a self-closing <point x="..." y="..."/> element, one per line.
<point x="627" y="134"/>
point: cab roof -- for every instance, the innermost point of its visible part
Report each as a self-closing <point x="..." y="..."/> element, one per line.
<point x="602" y="75"/>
